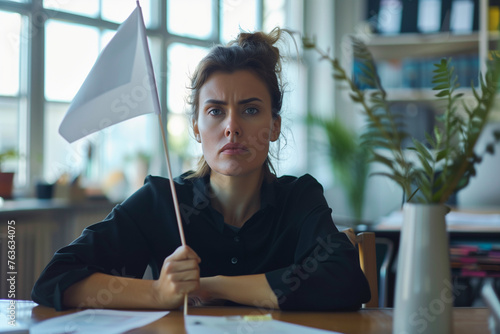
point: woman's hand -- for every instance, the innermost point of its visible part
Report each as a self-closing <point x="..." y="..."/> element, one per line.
<point x="180" y="275"/>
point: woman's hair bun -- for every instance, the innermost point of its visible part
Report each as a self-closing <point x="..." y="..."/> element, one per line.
<point x="263" y="44"/>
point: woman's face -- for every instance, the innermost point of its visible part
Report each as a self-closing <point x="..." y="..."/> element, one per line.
<point x="235" y="123"/>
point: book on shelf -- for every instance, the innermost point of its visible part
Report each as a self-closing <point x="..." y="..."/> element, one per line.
<point x="416" y="73"/>
<point x="389" y="17"/>
<point x="475" y="259"/>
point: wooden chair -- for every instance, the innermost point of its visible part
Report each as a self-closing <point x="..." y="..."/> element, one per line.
<point x="365" y="242"/>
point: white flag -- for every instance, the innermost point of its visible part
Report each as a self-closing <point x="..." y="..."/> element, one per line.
<point x="121" y="85"/>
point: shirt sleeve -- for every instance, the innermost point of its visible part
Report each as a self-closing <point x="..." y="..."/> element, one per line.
<point x="326" y="274"/>
<point x="116" y="246"/>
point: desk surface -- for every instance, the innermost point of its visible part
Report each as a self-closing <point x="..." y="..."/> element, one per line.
<point x="456" y="221"/>
<point x="466" y="320"/>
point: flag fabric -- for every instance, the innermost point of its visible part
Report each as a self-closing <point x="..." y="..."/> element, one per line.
<point x="121" y="84"/>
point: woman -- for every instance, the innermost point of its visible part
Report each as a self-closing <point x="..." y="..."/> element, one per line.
<point x="254" y="239"/>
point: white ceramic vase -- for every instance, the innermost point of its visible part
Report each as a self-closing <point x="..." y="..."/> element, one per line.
<point x="424" y="292"/>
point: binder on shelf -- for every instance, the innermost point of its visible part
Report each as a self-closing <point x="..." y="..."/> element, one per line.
<point x="418" y="119"/>
<point x="445" y="15"/>
<point x="389" y="72"/>
<point x="429" y="16"/>
<point x="357" y="73"/>
<point x="389" y="17"/>
<point x="462" y="16"/>
<point x="475" y="22"/>
<point x="493" y="15"/>
<point x="427" y="68"/>
<point x="467" y="69"/>
<point x="409" y="16"/>
<point x="411" y="72"/>
<point x="372" y="9"/>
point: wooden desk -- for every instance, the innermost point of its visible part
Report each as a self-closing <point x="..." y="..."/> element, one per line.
<point x="366" y="321"/>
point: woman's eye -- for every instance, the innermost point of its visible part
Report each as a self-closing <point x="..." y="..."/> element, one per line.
<point x="251" y="111"/>
<point x="215" y="112"/>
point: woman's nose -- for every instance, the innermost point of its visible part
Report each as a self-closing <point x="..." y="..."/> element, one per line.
<point x="232" y="127"/>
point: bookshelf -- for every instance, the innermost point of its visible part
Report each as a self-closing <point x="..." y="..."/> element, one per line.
<point x="405" y="59"/>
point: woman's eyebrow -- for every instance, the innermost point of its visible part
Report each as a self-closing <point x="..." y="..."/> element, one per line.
<point x="252" y="99"/>
<point x="214" y="101"/>
<point x="245" y="101"/>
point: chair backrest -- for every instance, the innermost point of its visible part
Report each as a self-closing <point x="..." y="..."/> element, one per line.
<point x="365" y="242"/>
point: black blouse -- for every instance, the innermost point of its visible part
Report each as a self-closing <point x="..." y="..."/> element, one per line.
<point x="292" y="239"/>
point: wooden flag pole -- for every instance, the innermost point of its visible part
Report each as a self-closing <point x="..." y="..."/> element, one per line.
<point x="174" y="198"/>
<point x="164" y="138"/>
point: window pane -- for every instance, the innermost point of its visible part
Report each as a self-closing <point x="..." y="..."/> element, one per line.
<point x="236" y="16"/>
<point x="70" y="53"/>
<point x="182" y="61"/>
<point x="274" y="14"/>
<point x="9" y="126"/>
<point x="292" y="157"/>
<point x="190" y="18"/>
<point x="113" y="166"/>
<point x="126" y="152"/>
<point x="10" y="34"/>
<point x="118" y="10"/>
<point x="83" y="7"/>
<point x="59" y="156"/>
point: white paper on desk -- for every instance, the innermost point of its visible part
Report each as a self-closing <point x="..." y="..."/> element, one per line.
<point x="15" y="328"/>
<point x="96" y="321"/>
<point x="202" y="324"/>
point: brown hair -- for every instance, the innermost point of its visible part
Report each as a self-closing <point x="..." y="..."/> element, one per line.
<point x="249" y="51"/>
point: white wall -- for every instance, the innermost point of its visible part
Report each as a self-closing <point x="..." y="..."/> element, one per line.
<point x="483" y="190"/>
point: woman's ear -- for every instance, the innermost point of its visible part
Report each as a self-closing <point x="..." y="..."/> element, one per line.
<point x="196" y="131"/>
<point x="276" y="129"/>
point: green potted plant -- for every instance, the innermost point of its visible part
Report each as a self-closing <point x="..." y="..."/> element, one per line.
<point x="6" y="178"/>
<point x="423" y="274"/>
<point x="349" y="159"/>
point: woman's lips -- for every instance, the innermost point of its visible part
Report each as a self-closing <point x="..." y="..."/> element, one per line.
<point x="234" y="148"/>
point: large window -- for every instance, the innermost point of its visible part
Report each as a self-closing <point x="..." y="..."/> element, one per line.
<point x="11" y="97"/>
<point x="43" y="62"/>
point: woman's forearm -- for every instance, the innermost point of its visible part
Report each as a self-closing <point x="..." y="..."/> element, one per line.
<point x="106" y="291"/>
<point x="252" y="290"/>
<point x="179" y="276"/>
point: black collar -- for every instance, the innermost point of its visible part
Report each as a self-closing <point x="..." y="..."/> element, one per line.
<point x="202" y="196"/>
